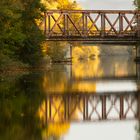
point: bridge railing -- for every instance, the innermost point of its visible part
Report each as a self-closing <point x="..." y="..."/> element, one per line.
<point x="91" y="23"/>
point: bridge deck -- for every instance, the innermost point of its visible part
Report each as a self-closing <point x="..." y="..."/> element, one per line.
<point x="97" y="40"/>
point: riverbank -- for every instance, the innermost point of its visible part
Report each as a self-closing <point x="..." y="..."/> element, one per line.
<point x="13" y="70"/>
<point x="22" y="69"/>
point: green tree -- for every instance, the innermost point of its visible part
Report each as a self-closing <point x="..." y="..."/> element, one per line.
<point x="137" y="4"/>
<point x="11" y="34"/>
<point x="31" y="51"/>
<point x="20" y="36"/>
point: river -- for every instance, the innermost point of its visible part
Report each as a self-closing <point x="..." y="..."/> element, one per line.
<point x="25" y="105"/>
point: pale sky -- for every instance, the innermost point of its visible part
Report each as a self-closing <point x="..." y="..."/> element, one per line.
<point x="106" y="4"/>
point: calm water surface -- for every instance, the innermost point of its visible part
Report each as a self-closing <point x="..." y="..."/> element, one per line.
<point x="24" y="111"/>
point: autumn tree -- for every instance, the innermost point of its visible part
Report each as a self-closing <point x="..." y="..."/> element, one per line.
<point x="57" y="50"/>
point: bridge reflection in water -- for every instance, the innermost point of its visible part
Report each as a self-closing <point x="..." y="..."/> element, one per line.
<point x="75" y="107"/>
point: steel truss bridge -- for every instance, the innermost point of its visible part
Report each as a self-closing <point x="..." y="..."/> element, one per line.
<point x="92" y="25"/>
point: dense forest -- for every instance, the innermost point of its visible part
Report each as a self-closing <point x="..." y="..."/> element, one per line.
<point x="20" y="36"/>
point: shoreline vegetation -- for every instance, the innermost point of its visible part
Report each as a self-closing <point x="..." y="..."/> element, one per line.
<point x="20" y="36"/>
<point x="21" y="39"/>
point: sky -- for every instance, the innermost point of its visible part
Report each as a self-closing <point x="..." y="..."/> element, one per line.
<point x="106" y="4"/>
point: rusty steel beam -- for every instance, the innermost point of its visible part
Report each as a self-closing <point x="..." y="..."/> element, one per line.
<point x="112" y="27"/>
<point x="93" y="23"/>
<point x="120" y="23"/>
<point x="138" y="26"/>
<point x="57" y="24"/>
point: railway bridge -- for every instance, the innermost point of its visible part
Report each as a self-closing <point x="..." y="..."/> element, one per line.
<point x="99" y="26"/>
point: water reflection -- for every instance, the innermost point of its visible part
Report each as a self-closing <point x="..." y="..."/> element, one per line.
<point x="20" y="97"/>
<point x="104" y="130"/>
<point x="55" y="131"/>
<point x="89" y="107"/>
<point x="59" y="111"/>
<point x="101" y="74"/>
<point x="56" y="79"/>
<point x="104" y="74"/>
<point x="28" y="112"/>
<point x="23" y="110"/>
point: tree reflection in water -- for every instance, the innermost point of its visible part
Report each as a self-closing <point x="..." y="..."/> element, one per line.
<point x="80" y="78"/>
<point x="22" y="99"/>
<point x="19" y="101"/>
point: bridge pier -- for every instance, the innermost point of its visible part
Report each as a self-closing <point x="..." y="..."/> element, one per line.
<point x="137" y="53"/>
<point x="70" y="51"/>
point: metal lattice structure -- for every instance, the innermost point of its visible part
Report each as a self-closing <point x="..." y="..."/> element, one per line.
<point x="96" y="25"/>
<point x="91" y="107"/>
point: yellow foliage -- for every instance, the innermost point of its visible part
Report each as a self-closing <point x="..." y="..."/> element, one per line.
<point x="84" y="86"/>
<point x="59" y="87"/>
<point x="87" y="68"/>
<point x="85" y="51"/>
<point x="57" y="116"/>
<point x="56" y="130"/>
<point x="60" y="4"/>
